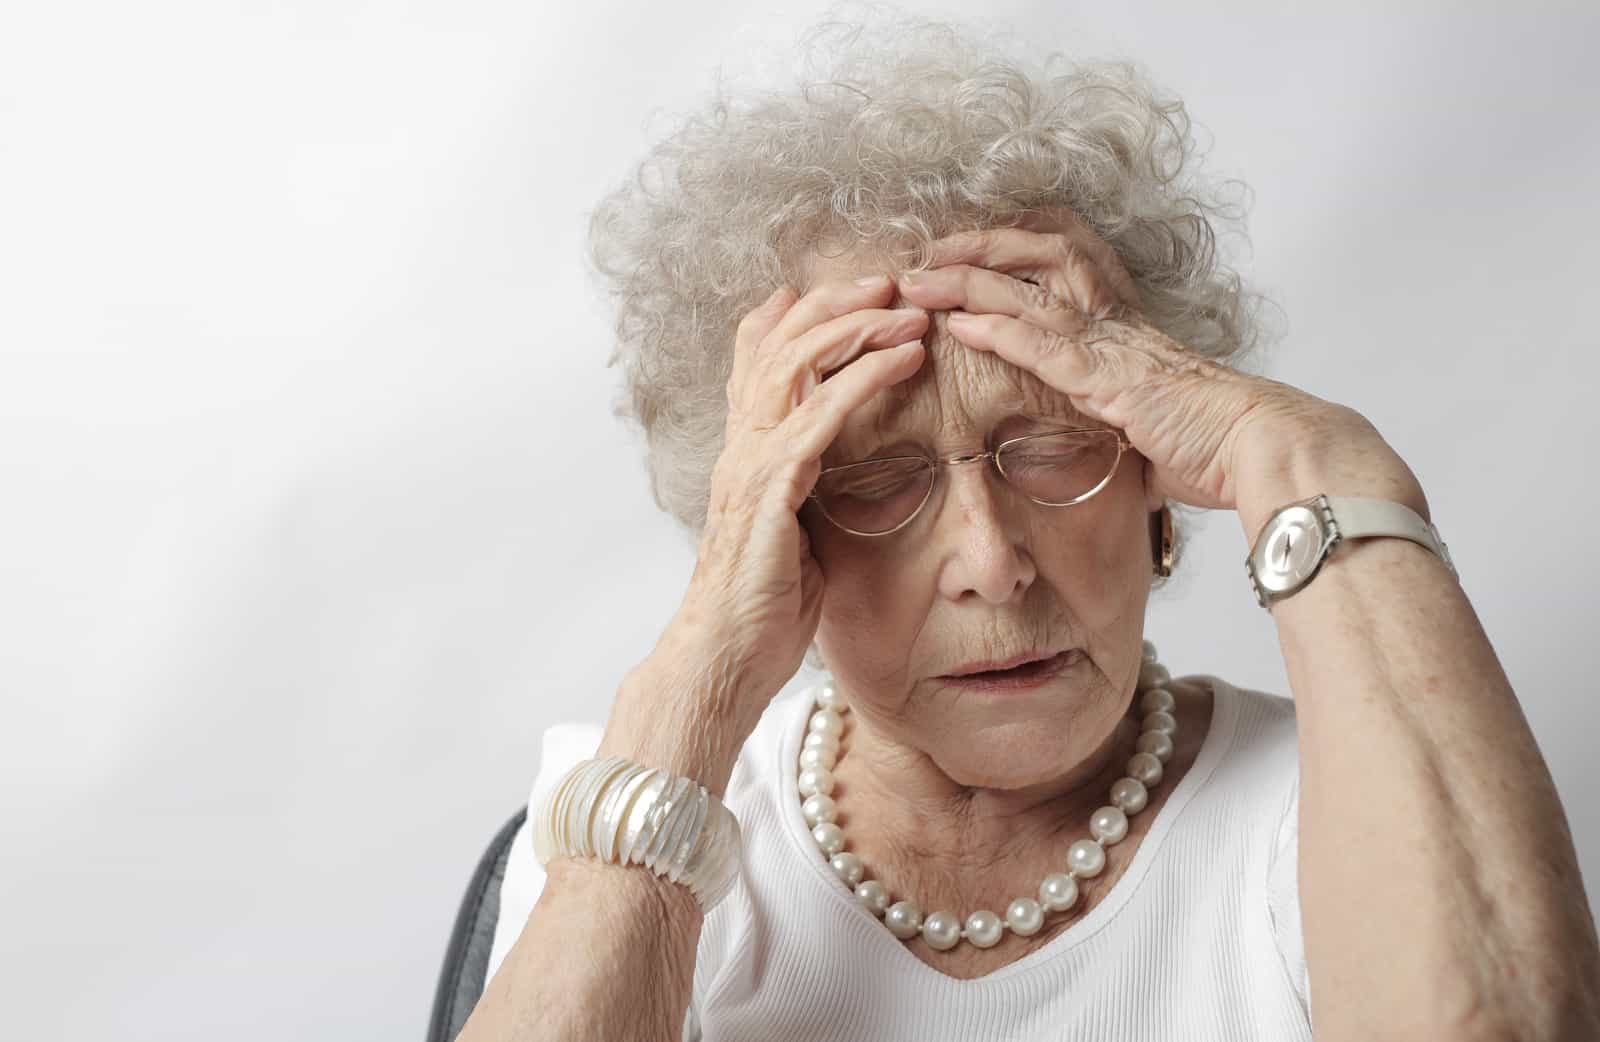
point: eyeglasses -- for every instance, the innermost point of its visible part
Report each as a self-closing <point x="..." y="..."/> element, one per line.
<point x="1054" y="469"/>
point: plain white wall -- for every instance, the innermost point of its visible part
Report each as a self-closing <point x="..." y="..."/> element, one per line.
<point x="298" y="555"/>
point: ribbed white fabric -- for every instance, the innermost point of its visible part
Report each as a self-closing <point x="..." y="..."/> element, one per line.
<point x="1199" y="939"/>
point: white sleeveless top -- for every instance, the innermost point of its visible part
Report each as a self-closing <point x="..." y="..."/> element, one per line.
<point x="1199" y="939"/>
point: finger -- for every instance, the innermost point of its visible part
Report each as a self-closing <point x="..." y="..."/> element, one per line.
<point x="788" y="376"/>
<point x="1062" y="260"/>
<point x="829" y="300"/>
<point x="755" y="325"/>
<point x="1091" y="374"/>
<point x="813" y="426"/>
<point x="983" y="291"/>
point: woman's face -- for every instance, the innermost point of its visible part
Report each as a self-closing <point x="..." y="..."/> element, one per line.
<point x="982" y="573"/>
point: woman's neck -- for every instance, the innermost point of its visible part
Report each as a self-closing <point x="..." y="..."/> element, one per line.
<point x="897" y="799"/>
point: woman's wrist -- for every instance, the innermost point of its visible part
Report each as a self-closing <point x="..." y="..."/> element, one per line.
<point x="679" y="711"/>
<point x="1340" y="454"/>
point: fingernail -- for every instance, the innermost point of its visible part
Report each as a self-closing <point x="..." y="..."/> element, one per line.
<point x="870" y="280"/>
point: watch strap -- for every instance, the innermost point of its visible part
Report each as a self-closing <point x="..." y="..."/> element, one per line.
<point x="1357" y="517"/>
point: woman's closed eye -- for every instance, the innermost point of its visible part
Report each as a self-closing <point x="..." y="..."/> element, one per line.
<point x="1043" y="456"/>
<point x="877" y="479"/>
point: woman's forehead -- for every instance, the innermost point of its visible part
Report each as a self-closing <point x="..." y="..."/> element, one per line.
<point x="958" y="392"/>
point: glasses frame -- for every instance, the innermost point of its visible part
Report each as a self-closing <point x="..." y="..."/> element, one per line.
<point x="1123" y="444"/>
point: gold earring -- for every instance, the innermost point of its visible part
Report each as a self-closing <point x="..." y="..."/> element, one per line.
<point x="1161" y="541"/>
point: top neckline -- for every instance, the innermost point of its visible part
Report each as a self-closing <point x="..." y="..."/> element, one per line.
<point x="1219" y="734"/>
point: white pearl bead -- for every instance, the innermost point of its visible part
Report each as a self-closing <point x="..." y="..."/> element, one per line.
<point x="871" y="893"/>
<point x="1149" y="652"/>
<point x="1086" y="858"/>
<point x="815" y="781"/>
<point x="1130" y="794"/>
<point x="826" y="721"/>
<point x="830" y="697"/>
<point x="1157" y="698"/>
<point x="1146" y="768"/>
<point x="1024" y="916"/>
<point x="942" y="931"/>
<point x="1161" y="721"/>
<point x="1058" y="891"/>
<point x="813" y="740"/>
<point x="1157" y="744"/>
<point x="829" y="837"/>
<point x="904" y="919"/>
<point x="1109" y="825"/>
<point x="983" y="928"/>
<point x="1152" y="674"/>
<point x="848" y="867"/>
<point x="811" y="758"/>
<point x="818" y="809"/>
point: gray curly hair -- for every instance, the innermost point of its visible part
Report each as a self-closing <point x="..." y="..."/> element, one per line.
<point x="915" y="128"/>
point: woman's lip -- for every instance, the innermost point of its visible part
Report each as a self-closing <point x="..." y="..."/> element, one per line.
<point x="968" y="668"/>
<point x="1032" y="675"/>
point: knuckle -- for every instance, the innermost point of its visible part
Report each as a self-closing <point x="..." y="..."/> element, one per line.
<point x="1033" y="295"/>
<point x="805" y="414"/>
<point x="898" y="326"/>
<point x="1065" y="252"/>
<point x="963" y="244"/>
<point x="794" y="478"/>
<point x="969" y="276"/>
<point x="748" y="332"/>
<point x="1194" y="367"/>
<point x="759" y="315"/>
<point x="986" y="239"/>
<point x="1103" y="302"/>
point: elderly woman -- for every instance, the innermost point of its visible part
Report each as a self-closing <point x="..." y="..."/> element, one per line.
<point x="924" y="358"/>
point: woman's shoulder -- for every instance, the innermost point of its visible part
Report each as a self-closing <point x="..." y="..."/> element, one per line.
<point x="1252" y="745"/>
<point x="1256" y="712"/>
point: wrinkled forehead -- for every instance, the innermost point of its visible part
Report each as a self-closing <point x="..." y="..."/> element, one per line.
<point x="958" y="393"/>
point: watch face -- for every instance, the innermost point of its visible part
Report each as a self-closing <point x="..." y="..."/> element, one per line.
<point x="1289" y="549"/>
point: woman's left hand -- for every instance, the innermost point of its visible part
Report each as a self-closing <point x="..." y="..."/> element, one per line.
<point x="1215" y="437"/>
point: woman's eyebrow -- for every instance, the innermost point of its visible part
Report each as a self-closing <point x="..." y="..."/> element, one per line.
<point x="1062" y="415"/>
<point x="894" y="433"/>
<point x="890" y="421"/>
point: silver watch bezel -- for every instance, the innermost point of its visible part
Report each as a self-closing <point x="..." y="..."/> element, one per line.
<point x="1312" y="516"/>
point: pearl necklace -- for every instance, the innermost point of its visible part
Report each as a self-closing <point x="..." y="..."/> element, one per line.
<point x="1057" y="892"/>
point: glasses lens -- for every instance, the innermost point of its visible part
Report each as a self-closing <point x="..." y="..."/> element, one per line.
<point x="876" y="495"/>
<point x="1060" y="468"/>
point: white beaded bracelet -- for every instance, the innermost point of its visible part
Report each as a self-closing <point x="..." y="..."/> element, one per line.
<point x="620" y="812"/>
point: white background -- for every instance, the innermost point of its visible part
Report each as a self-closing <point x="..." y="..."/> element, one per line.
<point x="313" y="513"/>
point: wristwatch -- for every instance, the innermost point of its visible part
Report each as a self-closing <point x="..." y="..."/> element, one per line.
<point x="1298" y="538"/>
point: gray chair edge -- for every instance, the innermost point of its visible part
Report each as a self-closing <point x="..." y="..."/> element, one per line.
<point x="465" y="972"/>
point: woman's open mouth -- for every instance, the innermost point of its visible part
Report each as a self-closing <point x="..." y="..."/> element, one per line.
<point x="1017" y="678"/>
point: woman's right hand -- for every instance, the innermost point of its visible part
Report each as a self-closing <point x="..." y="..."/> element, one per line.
<point x="755" y="597"/>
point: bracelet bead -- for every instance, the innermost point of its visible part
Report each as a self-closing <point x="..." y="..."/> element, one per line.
<point x="620" y="812"/>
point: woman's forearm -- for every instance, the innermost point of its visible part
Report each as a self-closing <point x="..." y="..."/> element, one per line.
<point x="608" y="952"/>
<point x="1440" y="890"/>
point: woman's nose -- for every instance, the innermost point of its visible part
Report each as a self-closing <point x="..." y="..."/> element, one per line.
<point x="979" y="525"/>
